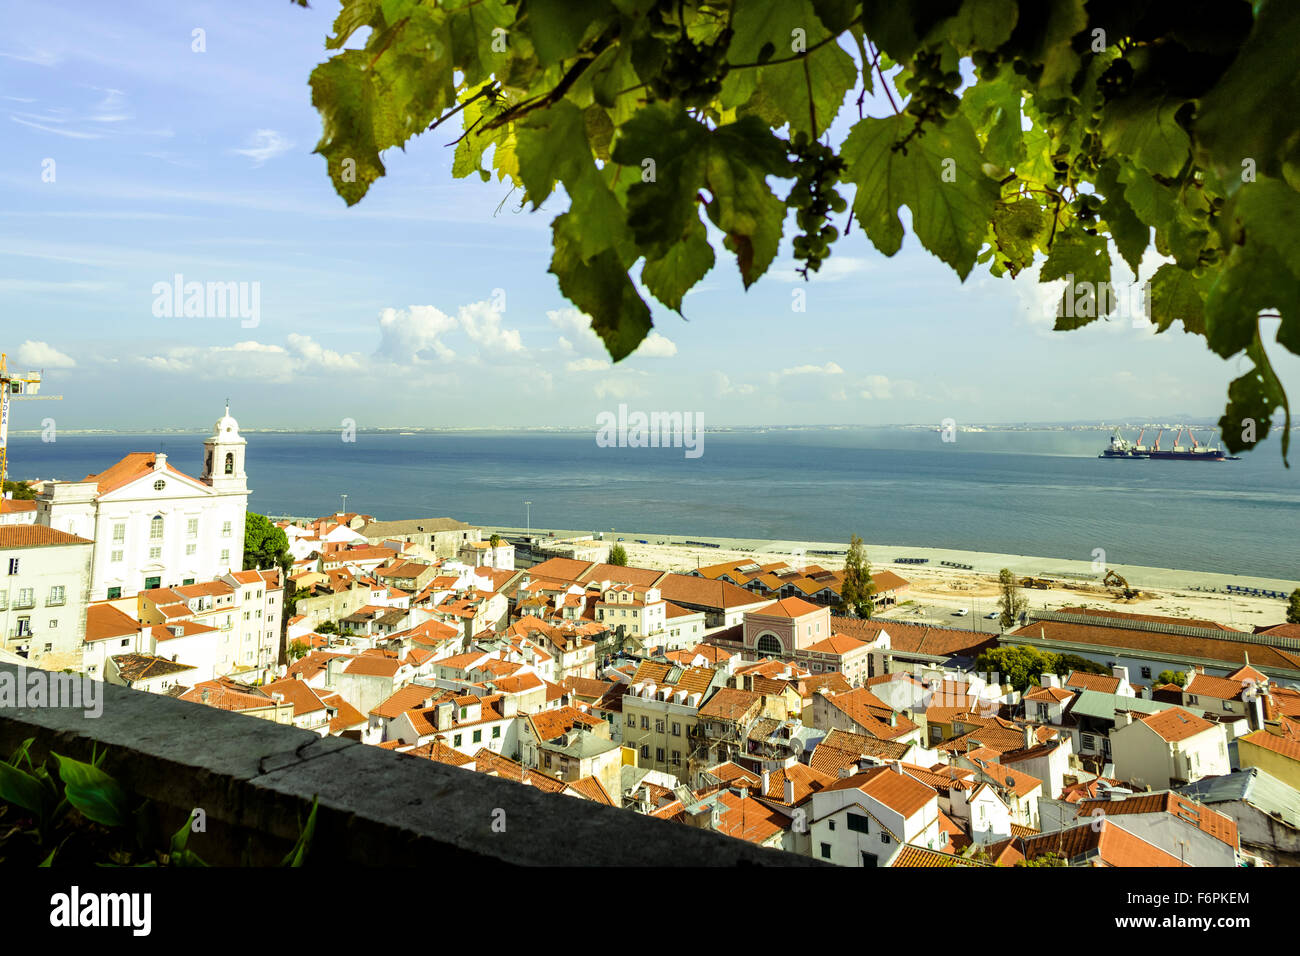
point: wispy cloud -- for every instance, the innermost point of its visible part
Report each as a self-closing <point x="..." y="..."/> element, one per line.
<point x="265" y="144"/>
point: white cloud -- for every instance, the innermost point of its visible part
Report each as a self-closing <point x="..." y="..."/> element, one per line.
<point x="834" y="269"/>
<point x="482" y="324"/>
<point x="617" y="388"/>
<point x="265" y="144"/>
<point x="415" y="334"/>
<point x="41" y="355"/>
<point x="586" y="365"/>
<point x="723" y="386"/>
<point x="313" y="354"/>
<point x="578" y="336"/>
<point x="884" y="388"/>
<point x="830" y="368"/>
<point x="655" y="345"/>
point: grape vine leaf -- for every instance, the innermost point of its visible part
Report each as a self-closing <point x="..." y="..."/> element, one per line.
<point x="939" y="176"/>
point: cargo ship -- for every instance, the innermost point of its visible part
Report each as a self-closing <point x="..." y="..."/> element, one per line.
<point x="1121" y="447"/>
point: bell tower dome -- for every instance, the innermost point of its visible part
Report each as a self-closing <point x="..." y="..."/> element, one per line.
<point x="223" y="456"/>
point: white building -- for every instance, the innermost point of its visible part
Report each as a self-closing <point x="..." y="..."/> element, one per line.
<point x="865" y="819"/>
<point x="153" y="525"/>
<point x="44" y="581"/>
<point x="1168" y="749"/>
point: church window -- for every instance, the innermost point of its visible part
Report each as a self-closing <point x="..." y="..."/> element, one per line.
<point x="225" y="529"/>
<point x="159" y="485"/>
<point x="156" y="527"/>
<point x="230" y="463"/>
<point x="767" y="644"/>
<point x="192" y="527"/>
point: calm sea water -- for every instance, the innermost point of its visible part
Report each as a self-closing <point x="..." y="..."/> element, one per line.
<point x="1041" y="493"/>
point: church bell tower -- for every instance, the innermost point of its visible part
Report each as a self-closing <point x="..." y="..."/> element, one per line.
<point x="223" y="457"/>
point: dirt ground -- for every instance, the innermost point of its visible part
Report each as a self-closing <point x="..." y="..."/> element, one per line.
<point x="955" y="588"/>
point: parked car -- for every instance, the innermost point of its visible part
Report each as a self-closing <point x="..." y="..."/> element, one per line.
<point x="961" y="612"/>
<point x="991" y="615"/>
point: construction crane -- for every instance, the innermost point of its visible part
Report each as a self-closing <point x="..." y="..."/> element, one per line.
<point x="15" y="387"/>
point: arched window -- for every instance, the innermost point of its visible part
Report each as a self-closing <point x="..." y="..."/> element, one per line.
<point x="156" y="527"/>
<point x="230" y="462"/>
<point x="767" y="644"/>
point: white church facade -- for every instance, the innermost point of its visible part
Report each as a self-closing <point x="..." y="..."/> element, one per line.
<point x="152" y="524"/>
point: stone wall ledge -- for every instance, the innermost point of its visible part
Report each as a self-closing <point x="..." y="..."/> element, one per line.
<point x="255" y="781"/>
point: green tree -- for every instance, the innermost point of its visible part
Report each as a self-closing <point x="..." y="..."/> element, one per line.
<point x="1044" y="859"/>
<point x="1089" y="126"/>
<point x="1011" y="603"/>
<point x="1066" y="663"/>
<point x="265" y="545"/>
<point x="327" y="627"/>
<point x="1018" y="666"/>
<point x="618" y="556"/>
<point x="1293" y="608"/>
<point x="1171" y="677"/>
<point x="857" y="587"/>
<point x="296" y="650"/>
<point x="19" y="490"/>
<point x="495" y="541"/>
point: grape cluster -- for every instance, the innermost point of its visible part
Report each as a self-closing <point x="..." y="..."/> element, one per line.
<point x="1086" y="207"/>
<point x="988" y="64"/>
<point x="817" y="169"/>
<point x="691" y="72"/>
<point x="932" y="89"/>
<point x="1117" y="79"/>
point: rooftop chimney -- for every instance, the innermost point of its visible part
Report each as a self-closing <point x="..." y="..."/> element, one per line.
<point x="159" y="462"/>
<point x="767" y="779"/>
<point x="896" y="766"/>
<point x="789" y="790"/>
<point x="1031" y="737"/>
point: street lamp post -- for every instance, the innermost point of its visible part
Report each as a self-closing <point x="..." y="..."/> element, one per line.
<point x="528" y="517"/>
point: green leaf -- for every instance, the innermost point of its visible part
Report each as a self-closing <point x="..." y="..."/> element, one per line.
<point x="1179" y="233"/>
<point x="835" y="15"/>
<point x="552" y="146"/>
<point x="993" y="109"/>
<point x="816" y="82"/>
<point x="978" y="25"/>
<point x="1270" y="212"/>
<point x="471" y="31"/>
<point x="1252" y="280"/>
<point x="1131" y="235"/>
<point x="1252" y="399"/>
<point x="296" y="856"/>
<point x="21" y="789"/>
<point x="354" y="15"/>
<point x="740" y="157"/>
<point x="1084" y="261"/>
<point x="687" y="262"/>
<point x="1250" y="112"/>
<point x="1019" y="226"/>
<point x="97" y="795"/>
<point x="1146" y="132"/>
<point x="1177" y="294"/>
<point x="354" y="122"/>
<point x="558" y="27"/>
<point x="600" y="288"/>
<point x="938" y="176"/>
<point x="1061" y="21"/>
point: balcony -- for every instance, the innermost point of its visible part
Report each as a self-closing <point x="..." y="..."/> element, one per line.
<point x="256" y="781"/>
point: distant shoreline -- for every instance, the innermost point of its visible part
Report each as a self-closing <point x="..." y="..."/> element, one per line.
<point x="965" y="428"/>
<point x="831" y="554"/>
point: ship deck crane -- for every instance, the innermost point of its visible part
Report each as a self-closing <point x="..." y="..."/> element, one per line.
<point x="15" y="387"/>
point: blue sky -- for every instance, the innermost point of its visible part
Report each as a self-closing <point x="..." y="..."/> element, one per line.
<point x="168" y="161"/>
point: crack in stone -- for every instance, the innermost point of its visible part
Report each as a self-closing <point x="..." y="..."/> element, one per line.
<point x="296" y="757"/>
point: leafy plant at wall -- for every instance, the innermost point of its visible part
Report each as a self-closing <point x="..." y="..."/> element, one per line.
<point x="1056" y="132"/>
<point x="78" y="815"/>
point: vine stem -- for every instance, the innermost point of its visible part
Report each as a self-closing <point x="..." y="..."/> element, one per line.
<point x="875" y="65"/>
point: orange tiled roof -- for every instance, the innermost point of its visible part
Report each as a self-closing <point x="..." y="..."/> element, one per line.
<point x="35" y="536"/>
